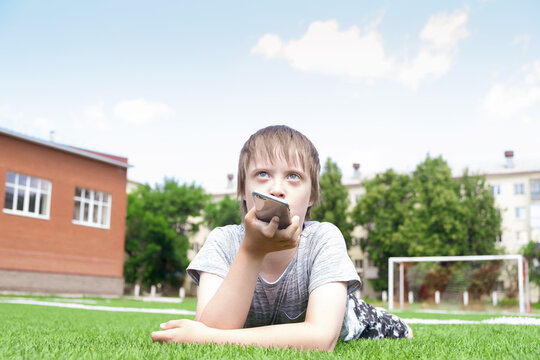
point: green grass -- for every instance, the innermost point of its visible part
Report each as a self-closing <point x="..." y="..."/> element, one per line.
<point x="39" y="332"/>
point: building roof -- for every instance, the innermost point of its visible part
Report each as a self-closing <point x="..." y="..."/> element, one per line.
<point x="502" y="168"/>
<point x="106" y="158"/>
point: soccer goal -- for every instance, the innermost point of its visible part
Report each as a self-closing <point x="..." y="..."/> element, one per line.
<point x="459" y="282"/>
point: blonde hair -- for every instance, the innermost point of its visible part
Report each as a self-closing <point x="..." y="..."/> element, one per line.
<point x="283" y="143"/>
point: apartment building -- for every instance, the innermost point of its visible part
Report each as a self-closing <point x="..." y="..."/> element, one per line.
<point x="62" y="223"/>
<point x="516" y="186"/>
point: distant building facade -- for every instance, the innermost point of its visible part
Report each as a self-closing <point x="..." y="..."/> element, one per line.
<point x="516" y="187"/>
<point x="62" y="223"/>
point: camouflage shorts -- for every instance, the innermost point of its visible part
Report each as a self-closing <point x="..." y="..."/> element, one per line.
<point x="375" y="323"/>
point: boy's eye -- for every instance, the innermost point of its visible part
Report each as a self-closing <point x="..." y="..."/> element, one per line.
<point x="294" y="176"/>
<point x="262" y="174"/>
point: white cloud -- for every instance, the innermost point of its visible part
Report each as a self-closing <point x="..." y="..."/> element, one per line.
<point x="95" y="115"/>
<point x="270" y="46"/>
<point x="326" y="49"/>
<point x="439" y="43"/>
<point x="443" y="31"/>
<point x="511" y="98"/>
<point x="141" y="111"/>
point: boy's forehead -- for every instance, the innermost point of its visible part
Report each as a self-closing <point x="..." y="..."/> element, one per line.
<point x="260" y="159"/>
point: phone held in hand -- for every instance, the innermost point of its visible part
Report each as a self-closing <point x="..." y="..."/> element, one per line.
<point x="267" y="206"/>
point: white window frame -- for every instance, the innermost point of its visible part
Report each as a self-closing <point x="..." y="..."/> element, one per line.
<point x="534" y="215"/>
<point x="519" y="189"/>
<point x="535" y="187"/>
<point x="92" y="202"/>
<point x="28" y="189"/>
<point x="496" y="189"/>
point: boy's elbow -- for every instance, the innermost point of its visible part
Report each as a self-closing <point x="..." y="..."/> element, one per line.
<point x="326" y="345"/>
<point x="326" y="341"/>
<point x="331" y="344"/>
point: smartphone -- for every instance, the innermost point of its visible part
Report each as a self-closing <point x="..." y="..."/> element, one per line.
<point x="267" y="206"/>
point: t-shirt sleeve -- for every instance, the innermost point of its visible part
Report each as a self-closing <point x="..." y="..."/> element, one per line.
<point x="216" y="255"/>
<point x="330" y="261"/>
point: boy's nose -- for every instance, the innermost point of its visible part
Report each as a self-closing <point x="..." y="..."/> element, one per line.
<point x="278" y="194"/>
<point x="277" y="191"/>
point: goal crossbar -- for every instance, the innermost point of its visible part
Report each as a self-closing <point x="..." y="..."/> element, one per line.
<point x="401" y="260"/>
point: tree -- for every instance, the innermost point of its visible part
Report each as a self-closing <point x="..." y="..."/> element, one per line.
<point x="334" y="204"/>
<point x="159" y="222"/>
<point x="531" y="251"/>
<point x="426" y="214"/>
<point x="434" y="223"/>
<point x="382" y="212"/>
<point x="221" y="213"/>
<point x="481" y="219"/>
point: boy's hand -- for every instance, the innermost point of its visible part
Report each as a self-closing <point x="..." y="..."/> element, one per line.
<point x="181" y="331"/>
<point x="262" y="238"/>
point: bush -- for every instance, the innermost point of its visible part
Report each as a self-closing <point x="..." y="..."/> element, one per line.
<point x="508" y="302"/>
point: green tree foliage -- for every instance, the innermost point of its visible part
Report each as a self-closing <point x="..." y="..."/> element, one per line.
<point x="221" y="213"/>
<point x="480" y="217"/>
<point x="334" y="204"/>
<point x="426" y="214"/>
<point x="531" y="251"/>
<point x="382" y="211"/>
<point x="434" y="225"/>
<point x="159" y="222"/>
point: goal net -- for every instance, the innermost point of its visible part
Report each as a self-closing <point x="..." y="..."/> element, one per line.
<point x="459" y="282"/>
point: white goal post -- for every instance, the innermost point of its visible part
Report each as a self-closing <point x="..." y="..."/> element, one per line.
<point x="523" y="281"/>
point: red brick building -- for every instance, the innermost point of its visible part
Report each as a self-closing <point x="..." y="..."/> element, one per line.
<point x="62" y="223"/>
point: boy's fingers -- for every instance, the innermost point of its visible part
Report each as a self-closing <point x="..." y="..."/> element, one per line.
<point x="170" y="324"/>
<point x="251" y="218"/>
<point x="292" y="230"/>
<point x="161" y="335"/>
<point x="250" y="215"/>
<point x="270" y="229"/>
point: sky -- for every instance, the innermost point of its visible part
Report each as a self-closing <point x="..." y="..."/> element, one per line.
<point x="177" y="87"/>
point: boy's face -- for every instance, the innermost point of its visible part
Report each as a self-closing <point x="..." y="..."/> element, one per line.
<point x="286" y="181"/>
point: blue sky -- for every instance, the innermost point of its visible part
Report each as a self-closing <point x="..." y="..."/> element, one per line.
<point x="178" y="86"/>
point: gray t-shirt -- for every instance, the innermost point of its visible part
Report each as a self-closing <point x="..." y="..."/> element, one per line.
<point x="321" y="258"/>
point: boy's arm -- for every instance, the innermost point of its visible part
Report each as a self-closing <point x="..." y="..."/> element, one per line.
<point x="225" y="303"/>
<point x="320" y="330"/>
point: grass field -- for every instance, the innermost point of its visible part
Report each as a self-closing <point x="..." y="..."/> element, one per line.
<point x="40" y="332"/>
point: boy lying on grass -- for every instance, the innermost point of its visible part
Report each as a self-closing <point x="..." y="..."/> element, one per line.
<point x="259" y="285"/>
